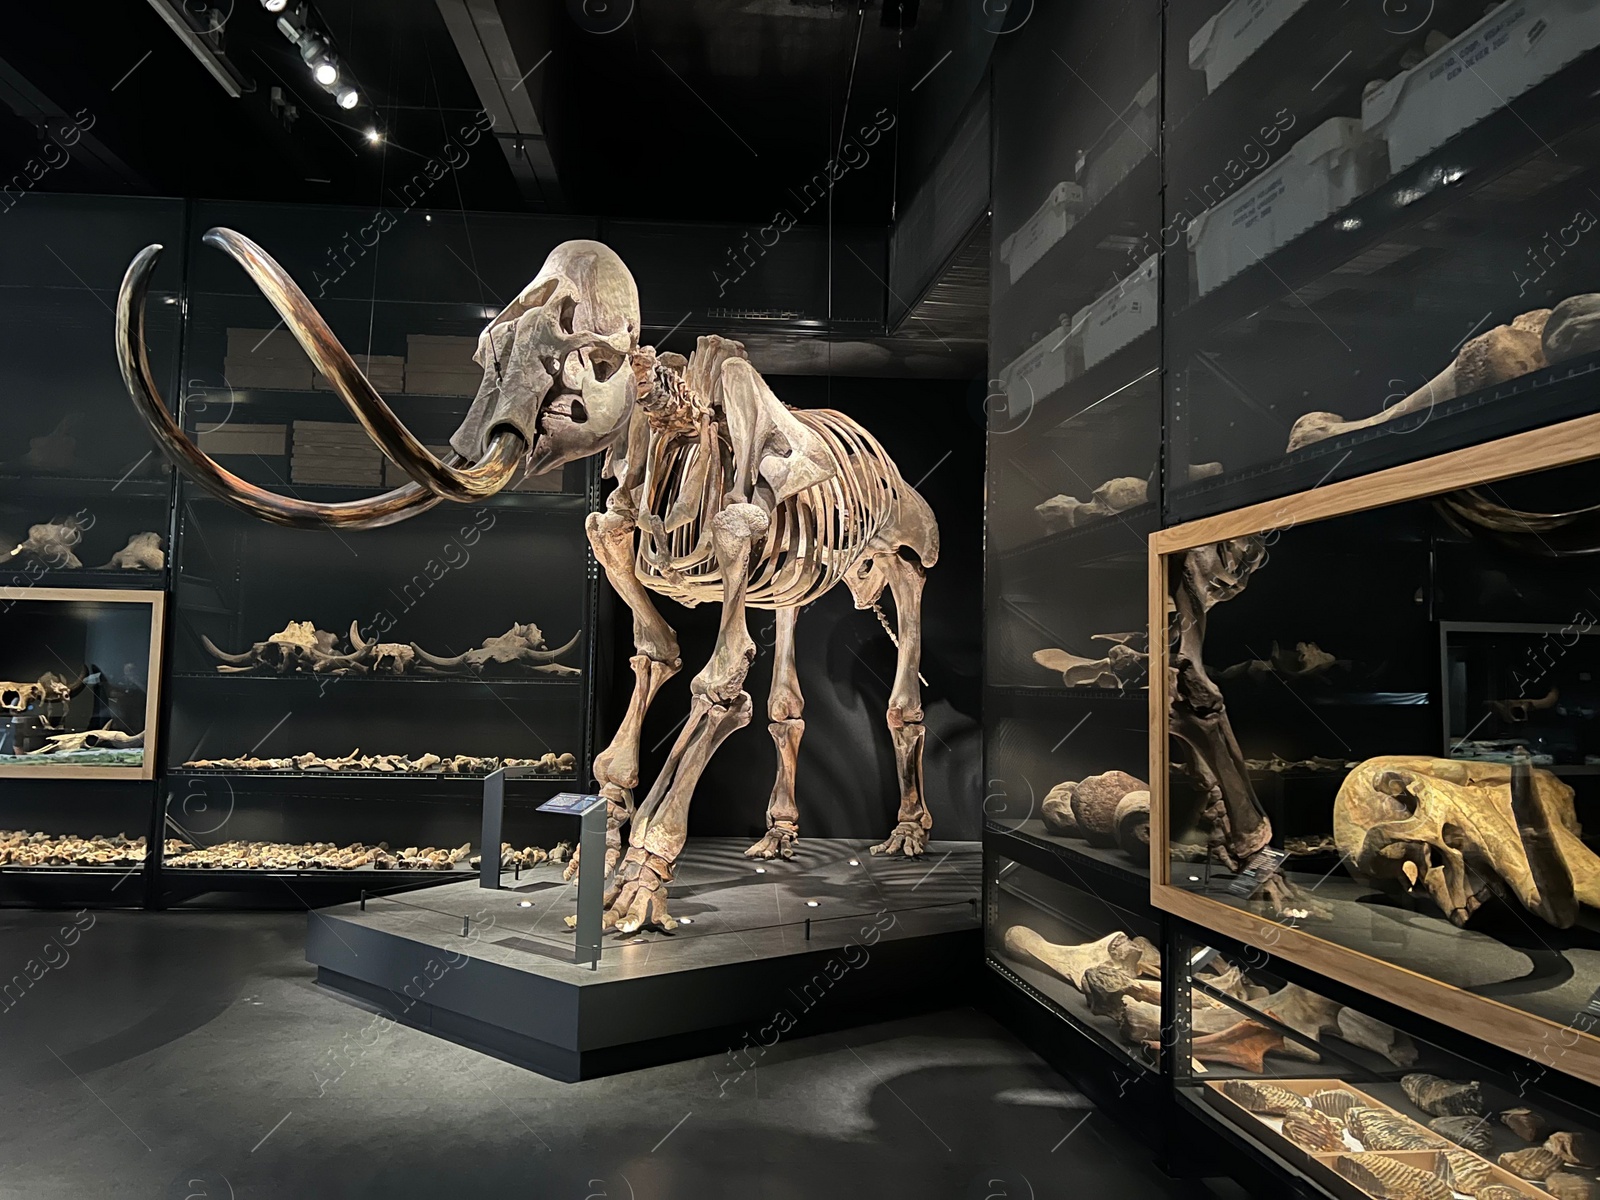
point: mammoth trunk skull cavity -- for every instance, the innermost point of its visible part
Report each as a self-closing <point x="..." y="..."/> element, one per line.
<point x="558" y="385"/>
<point x="556" y="361"/>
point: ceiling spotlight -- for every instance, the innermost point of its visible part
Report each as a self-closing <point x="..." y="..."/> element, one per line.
<point x="348" y="97"/>
<point x="274" y="6"/>
<point x="326" y="72"/>
<point x="288" y="29"/>
<point x="374" y="136"/>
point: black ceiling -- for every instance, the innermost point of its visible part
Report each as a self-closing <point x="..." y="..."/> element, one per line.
<point x="687" y="109"/>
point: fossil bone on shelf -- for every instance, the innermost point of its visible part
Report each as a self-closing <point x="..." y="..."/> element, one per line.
<point x="92" y="739"/>
<point x="1125" y="662"/>
<point x="1071" y="962"/>
<point x="1371" y="1034"/>
<point x="389" y="764"/>
<point x="1305" y="660"/>
<point x="142" y="553"/>
<point x="1095" y="801"/>
<point x="330" y="856"/>
<point x="1390" y="1179"/>
<point x="52" y="542"/>
<point x="521" y="645"/>
<point x="1115" y="495"/>
<point x="1441" y="1097"/>
<point x="1535" y="339"/>
<point x="1447" y="829"/>
<point x="25" y="848"/>
<point x="300" y="646"/>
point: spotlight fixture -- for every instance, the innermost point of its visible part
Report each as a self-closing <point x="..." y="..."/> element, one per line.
<point x="374" y="136"/>
<point x="299" y="24"/>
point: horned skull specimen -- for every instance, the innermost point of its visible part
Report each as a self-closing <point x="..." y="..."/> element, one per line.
<point x="50" y="688"/>
<point x="1453" y="830"/>
<point x="722" y="495"/>
<point x="298" y="646"/>
<point x="521" y="645"/>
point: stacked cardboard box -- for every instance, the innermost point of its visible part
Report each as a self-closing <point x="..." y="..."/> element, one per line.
<point x="441" y="366"/>
<point x="266" y="358"/>
<point x="335" y="452"/>
<point x="232" y="437"/>
<point x="386" y="372"/>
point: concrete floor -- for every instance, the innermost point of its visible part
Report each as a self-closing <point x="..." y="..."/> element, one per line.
<point x="190" y="1055"/>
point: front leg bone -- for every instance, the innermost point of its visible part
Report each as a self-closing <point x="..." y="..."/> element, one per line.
<point x="637" y="896"/>
<point x="616" y="768"/>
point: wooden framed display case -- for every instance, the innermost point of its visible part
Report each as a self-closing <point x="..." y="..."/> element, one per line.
<point x="1301" y="1081"/>
<point x="52" y="722"/>
<point x="1447" y="876"/>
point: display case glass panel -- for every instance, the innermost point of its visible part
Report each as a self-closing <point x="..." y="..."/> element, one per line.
<point x="1372" y="210"/>
<point x="339" y="697"/>
<point x="84" y="497"/>
<point x="1074" y="425"/>
<point x="84" y="672"/>
<point x="1094" y="963"/>
<point x="1405" y="799"/>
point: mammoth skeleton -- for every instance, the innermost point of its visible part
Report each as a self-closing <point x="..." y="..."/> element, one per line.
<point x="723" y="495"/>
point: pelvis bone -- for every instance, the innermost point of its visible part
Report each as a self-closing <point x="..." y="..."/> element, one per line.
<point x="1447" y="829"/>
<point x="1125" y="662"/>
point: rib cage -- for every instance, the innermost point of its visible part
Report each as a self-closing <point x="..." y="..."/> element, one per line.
<point x="815" y="537"/>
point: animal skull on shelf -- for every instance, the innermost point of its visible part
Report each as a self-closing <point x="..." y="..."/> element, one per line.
<point x="51" y="542"/>
<point x="26" y="697"/>
<point x="723" y="495"/>
<point x="298" y="646"/>
<point x="521" y="645"/>
<point x="1450" y="829"/>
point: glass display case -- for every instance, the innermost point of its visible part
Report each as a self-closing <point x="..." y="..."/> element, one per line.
<point x="1088" y="960"/>
<point x="1405" y="800"/>
<point x="1372" y="210"/>
<point x="84" y="504"/>
<point x="1074" y="430"/>
<point x="1074" y="483"/>
<point x="338" y="698"/>
<point x="1354" y="1107"/>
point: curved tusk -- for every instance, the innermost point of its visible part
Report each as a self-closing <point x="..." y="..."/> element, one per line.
<point x="233" y="660"/>
<point x="548" y="656"/>
<point x="333" y="360"/>
<point x="445" y="664"/>
<point x="355" y="637"/>
<point x="371" y="513"/>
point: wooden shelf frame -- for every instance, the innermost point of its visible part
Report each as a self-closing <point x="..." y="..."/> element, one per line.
<point x="156" y="601"/>
<point x="1570" y="1048"/>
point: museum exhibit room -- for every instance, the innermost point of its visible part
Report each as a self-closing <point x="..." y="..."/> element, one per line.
<point x="783" y="598"/>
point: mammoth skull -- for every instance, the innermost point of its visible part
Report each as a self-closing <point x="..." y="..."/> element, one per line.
<point x="1446" y="829"/>
<point x="556" y="362"/>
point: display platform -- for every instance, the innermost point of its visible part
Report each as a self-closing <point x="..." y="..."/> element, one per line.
<point x="765" y="950"/>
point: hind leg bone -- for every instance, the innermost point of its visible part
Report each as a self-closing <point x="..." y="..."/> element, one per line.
<point x="913" y="821"/>
<point x="784" y="706"/>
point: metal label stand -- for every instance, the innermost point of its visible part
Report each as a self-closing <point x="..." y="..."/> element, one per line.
<point x="591" y="814"/>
